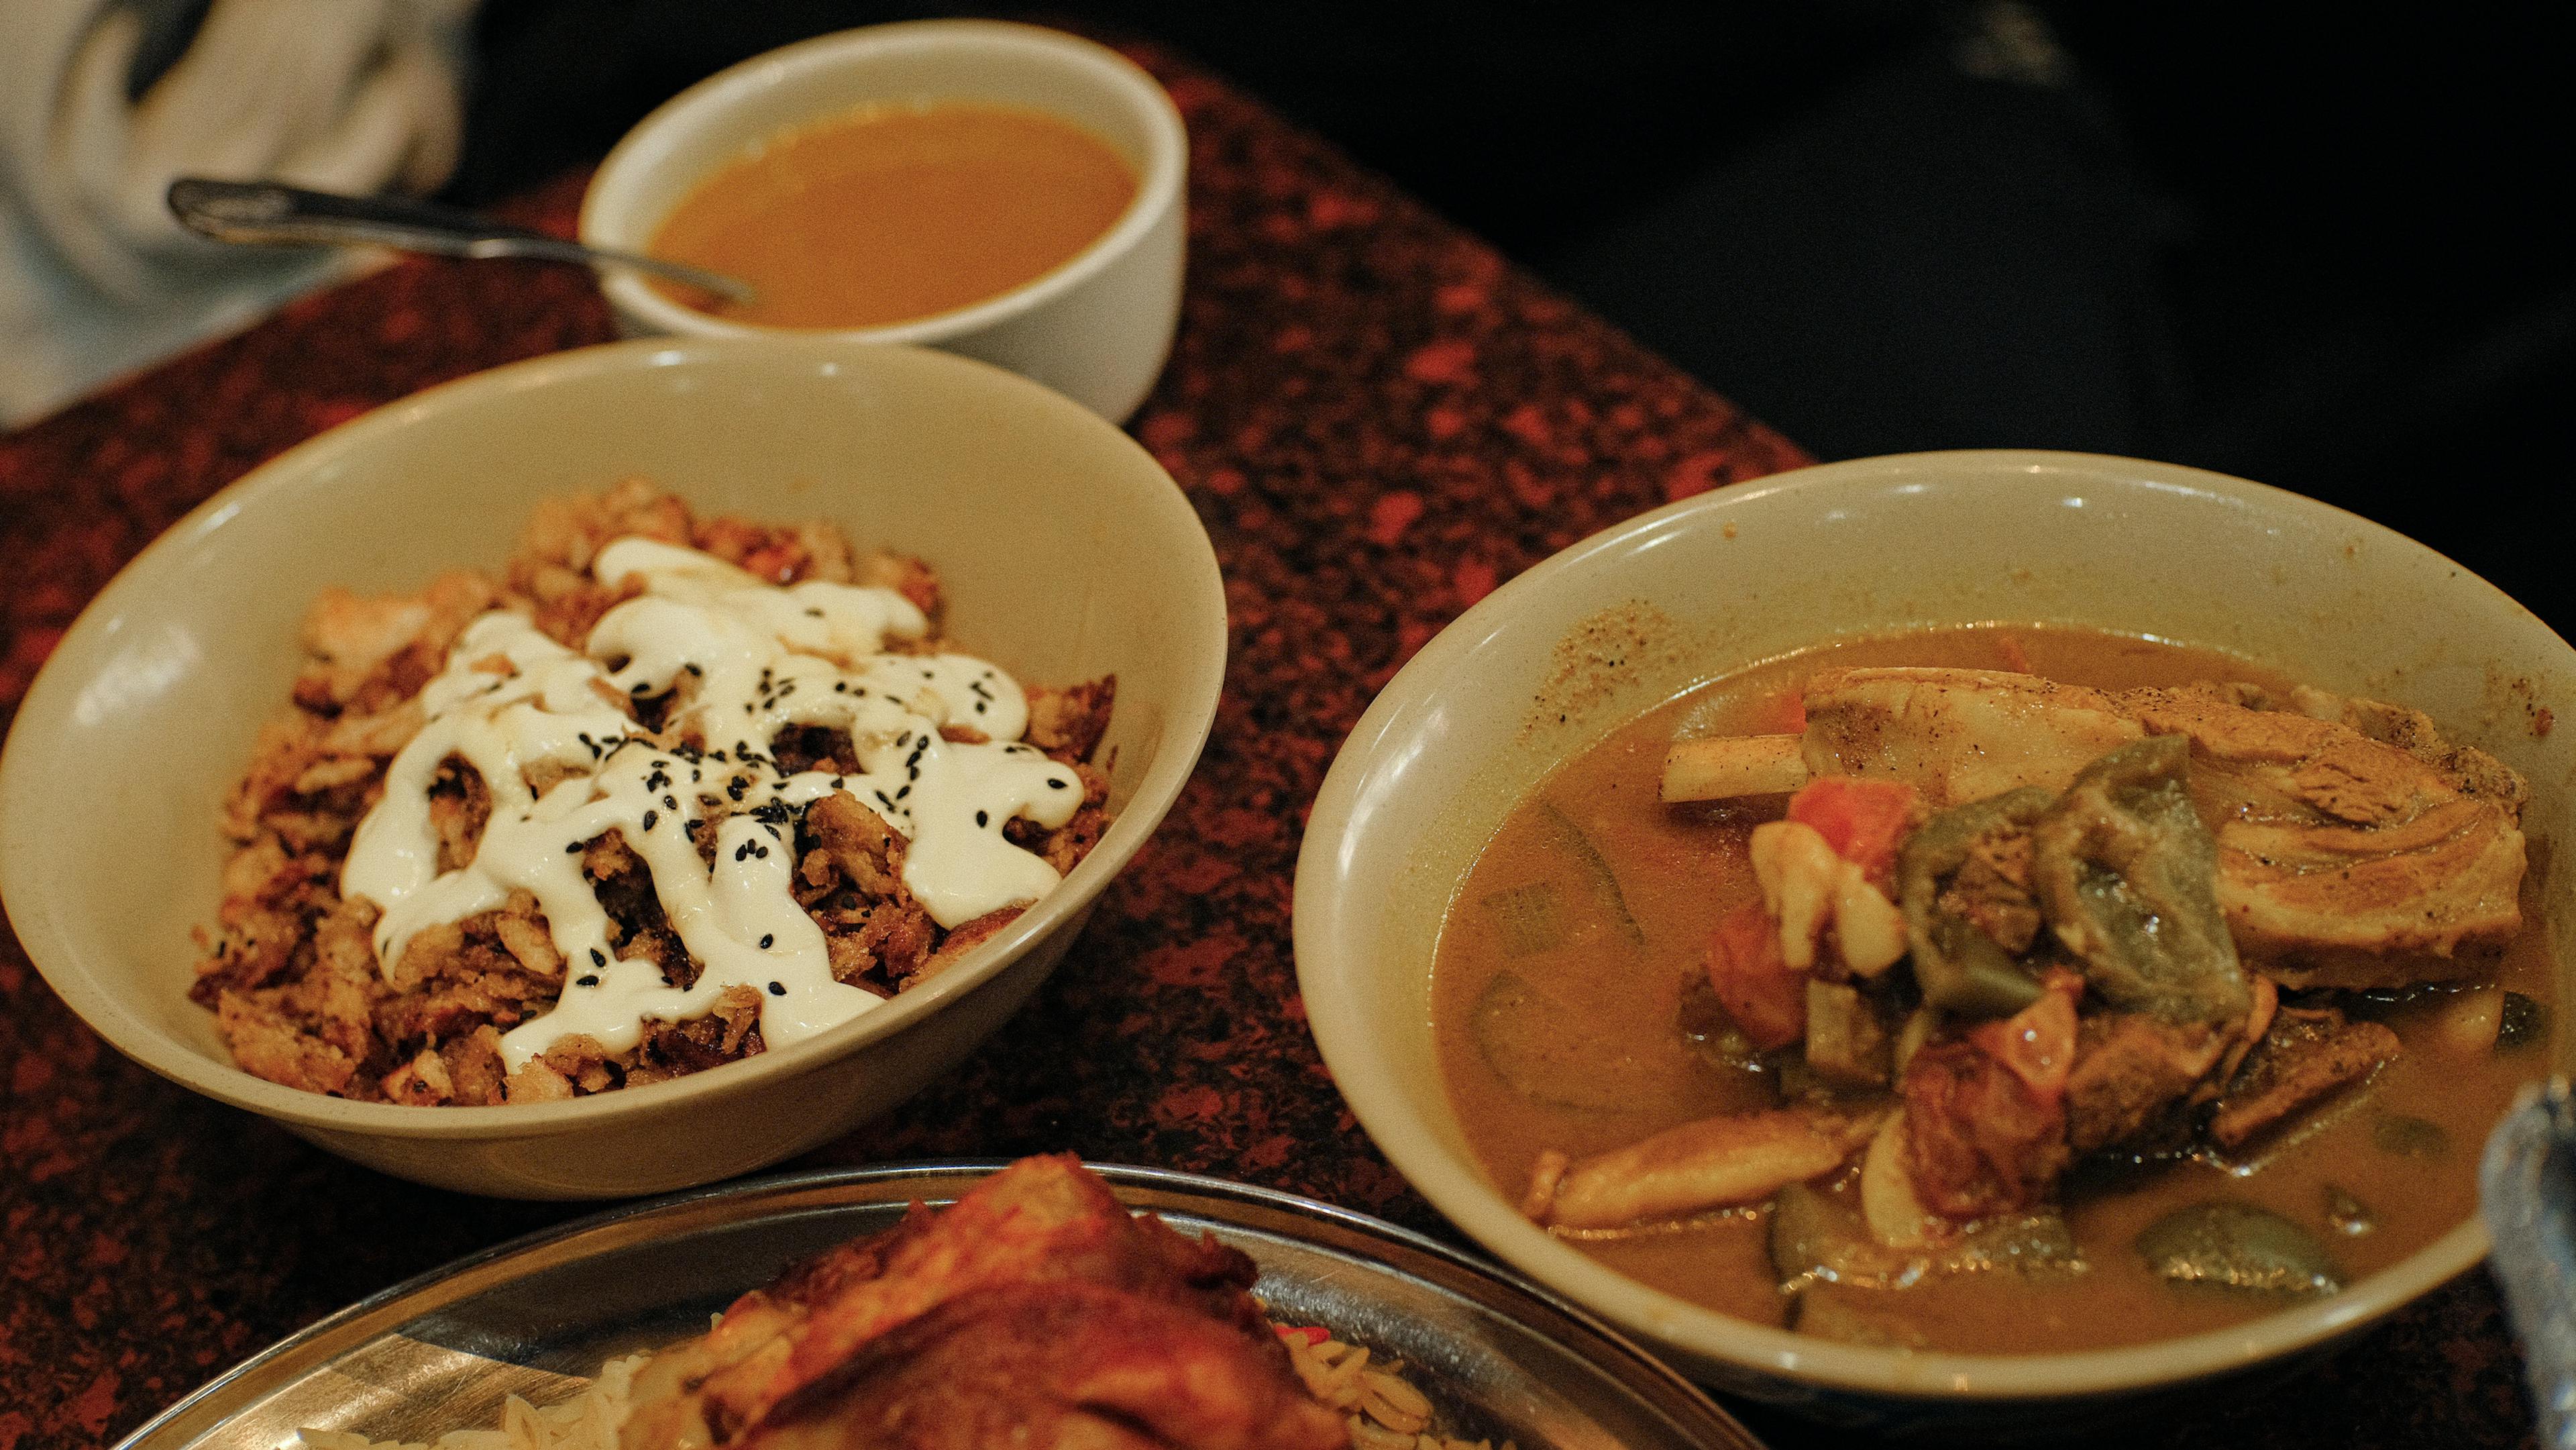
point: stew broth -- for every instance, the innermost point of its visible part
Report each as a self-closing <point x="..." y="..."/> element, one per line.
<point x="1595" y="901"/>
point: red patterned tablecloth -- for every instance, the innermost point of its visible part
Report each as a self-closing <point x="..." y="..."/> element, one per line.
<point x="1378" y="418"/>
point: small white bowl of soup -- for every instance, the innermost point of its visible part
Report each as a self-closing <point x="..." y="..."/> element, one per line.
<point x="1003" y="191"/>
<point x="1503" y="930"/>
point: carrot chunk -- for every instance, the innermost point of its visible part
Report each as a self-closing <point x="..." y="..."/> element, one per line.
<point x="1863" y="820"/>
<point x="1764" y="996"/>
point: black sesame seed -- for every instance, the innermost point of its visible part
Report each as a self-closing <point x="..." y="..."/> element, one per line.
<point x="981" y="818"/>
<point x="598" y="958"/>
<point x="1057" y="783"/>
<point x="671" y="803"/>
<point x="586" y="980"/>
<point x="979" y="707"/>
<point x="693" y="669"/>
<point x="778" y="989"/>
<point x="765" y="940"/>
<point x="761" y="851"/>
<point x="905" y="791"/>
<point x="573" y="850"/>
<point x="652" y="819"/>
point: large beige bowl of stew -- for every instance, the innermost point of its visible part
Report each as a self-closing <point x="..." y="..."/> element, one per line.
<point x="1538" y="722"/>
<point x="1065" y="553"/>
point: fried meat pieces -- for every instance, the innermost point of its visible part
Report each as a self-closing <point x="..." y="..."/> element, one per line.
<point x="2355" y="847"/>
<point x="1035" y="1312"/>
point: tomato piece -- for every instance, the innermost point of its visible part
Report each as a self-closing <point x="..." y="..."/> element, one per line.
<point x="1863" y="820"/>
<point x="1978" y="1140"/>
<point x="1763" y="995"/>
<point x="2037" y="1043"/>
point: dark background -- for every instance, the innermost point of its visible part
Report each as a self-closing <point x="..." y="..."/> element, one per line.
<point x="2309" y="253"/>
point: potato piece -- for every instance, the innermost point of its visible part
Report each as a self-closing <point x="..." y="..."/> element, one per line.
<point x="1867" y="926"/>
<point x="1720" y="1162"/>
<point x="2471" y="1019"/>
<point x="1798" y="872"/>
<point x="1897" y="1219"/>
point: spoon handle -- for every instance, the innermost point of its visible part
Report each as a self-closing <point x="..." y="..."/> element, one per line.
<point x="264" y="212"/>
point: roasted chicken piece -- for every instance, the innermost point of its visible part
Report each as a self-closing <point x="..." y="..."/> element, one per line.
<point x="2344" y="860"/>
<point x="1036" y="1312"/>
<point x="1049" y="1364"/>
<point x="2356" y="847"/>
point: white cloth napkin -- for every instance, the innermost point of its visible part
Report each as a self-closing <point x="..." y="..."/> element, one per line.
<point x="96" y="280"/>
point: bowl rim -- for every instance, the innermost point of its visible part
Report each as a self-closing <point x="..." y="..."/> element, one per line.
<point x="1189" y="717"/>
<point x="1458" y="1188"/>
<point x="610" y="217"/>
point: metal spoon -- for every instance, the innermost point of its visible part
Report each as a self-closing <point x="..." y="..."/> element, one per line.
<point x="263" y="212"/>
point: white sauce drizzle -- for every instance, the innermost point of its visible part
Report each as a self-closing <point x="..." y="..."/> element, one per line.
<point x="762" y="658"/>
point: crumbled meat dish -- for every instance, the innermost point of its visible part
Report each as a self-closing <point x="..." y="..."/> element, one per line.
<point x="289" y="968"/>
<point x="1034" y="1312"/>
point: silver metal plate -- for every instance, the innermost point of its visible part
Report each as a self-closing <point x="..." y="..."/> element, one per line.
<point x="1502" y="1358"/>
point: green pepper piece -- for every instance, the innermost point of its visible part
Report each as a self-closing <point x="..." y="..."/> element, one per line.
<point x="2128" y="875"/>
<point x="1958" y="966"/>
<point x="2524" y="1022"/>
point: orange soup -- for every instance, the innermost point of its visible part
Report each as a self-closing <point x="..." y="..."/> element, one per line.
<point x="893" y="213"/>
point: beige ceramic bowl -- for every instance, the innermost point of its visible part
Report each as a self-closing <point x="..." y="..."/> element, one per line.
<point x="1096" y="329"/>
<point x="1624" y="620"/>
<point x="1066" y="554"/>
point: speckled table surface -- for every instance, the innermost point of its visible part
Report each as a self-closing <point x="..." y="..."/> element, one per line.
<point x="1377" y="417"/>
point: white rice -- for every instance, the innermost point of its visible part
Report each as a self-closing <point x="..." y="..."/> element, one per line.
<point x="1385" y="1411"/>
<point x="587" y="1421"/>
